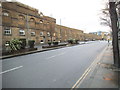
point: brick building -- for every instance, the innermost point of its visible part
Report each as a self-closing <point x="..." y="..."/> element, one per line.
<point x="24" y="22"/>
<point x="65" y="33"/>
<point x="103" y="35"/>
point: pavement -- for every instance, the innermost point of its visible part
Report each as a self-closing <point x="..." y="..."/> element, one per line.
<point x="40" y="49"/>
<point x="104" y="74"/>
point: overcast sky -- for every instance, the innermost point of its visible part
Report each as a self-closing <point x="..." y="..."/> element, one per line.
<point x="79" y="14"/>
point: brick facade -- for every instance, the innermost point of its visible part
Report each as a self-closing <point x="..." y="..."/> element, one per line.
<point x="65" y="33"/>
<point x="25" y="22"/>
<point x="23" y="17"/>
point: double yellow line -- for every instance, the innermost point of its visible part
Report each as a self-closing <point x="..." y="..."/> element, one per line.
<point x="80" y="80"/>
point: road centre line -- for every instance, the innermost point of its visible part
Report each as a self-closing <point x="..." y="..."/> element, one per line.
<point x="77" y="84"/>
<point x="55" y="55"/>
<point x="11" y="70"/>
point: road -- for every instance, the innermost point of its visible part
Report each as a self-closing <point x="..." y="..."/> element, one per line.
<point x="60" y="68"/>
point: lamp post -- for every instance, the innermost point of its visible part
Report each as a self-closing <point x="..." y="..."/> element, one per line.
<point x="27" y="26"/>
<point x="60" y="31"/>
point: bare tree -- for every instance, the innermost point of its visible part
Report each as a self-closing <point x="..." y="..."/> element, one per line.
<point x="114" y="21"/>
<point x="105" y="18"/>
<point x="109" y="18"/>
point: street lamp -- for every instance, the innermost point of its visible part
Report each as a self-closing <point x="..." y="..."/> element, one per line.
<point x="60" y="31"/>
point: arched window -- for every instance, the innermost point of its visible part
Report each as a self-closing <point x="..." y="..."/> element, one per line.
<point x="41" y="14"/>
<point x="47" y="23"/>
<point x="5" y="13"/>
<point x="21" y="17"/>
<point x="32" y="20"/>
<point x="41" y="21"/>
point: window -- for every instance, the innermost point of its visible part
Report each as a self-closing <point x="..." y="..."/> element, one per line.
<point x="41" y="21"/>
<point x="32" y="20"/>
<point x="22" y="32"/>
<point x="48" y="34"/>
<point x="54" y="34"/>
<point x="41" y="14"/>
<point x="0" y="5"/>
<point x="41" y="33"/>
<point x="21" y="17"/>
<point x="5" y="14"/>
<point x="47" y="22"/>
<point x="7" y="43"/>
<point x="7" y="31"/>
<point x="32" y="33"/>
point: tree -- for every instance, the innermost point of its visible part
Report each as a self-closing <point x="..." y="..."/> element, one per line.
<point x="109" y="18"/>
<point x="105" y="18"/>
<point x="114" y="20"/>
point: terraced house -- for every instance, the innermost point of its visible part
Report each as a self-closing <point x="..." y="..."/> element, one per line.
<point x="24" y="22"/>
<point x="65" y="33"/>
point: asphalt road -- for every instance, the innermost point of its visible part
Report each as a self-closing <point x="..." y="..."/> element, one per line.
<point x="60" y="68"/>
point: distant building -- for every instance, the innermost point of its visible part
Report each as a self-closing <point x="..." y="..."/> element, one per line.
<point x="104" y="35"/>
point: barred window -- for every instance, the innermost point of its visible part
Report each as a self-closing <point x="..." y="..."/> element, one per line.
<point x="7" y="31"/>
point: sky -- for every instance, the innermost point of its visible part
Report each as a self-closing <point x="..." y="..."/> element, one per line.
<point x="79" y="14"/>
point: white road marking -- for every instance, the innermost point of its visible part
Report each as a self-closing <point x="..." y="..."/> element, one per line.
<point x="55" y="55"/>
<point x="11" y="70"/>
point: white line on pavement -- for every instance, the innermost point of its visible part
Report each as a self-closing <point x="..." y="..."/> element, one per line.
<point x="11" y="70"/>
<point x="55" y="55"/>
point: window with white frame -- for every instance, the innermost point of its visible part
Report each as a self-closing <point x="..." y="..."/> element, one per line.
<point x="41" y="33"/>
<point x="7" y="30"/>
<point x="21" y="32"/>
<point x="32" y="33"/>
